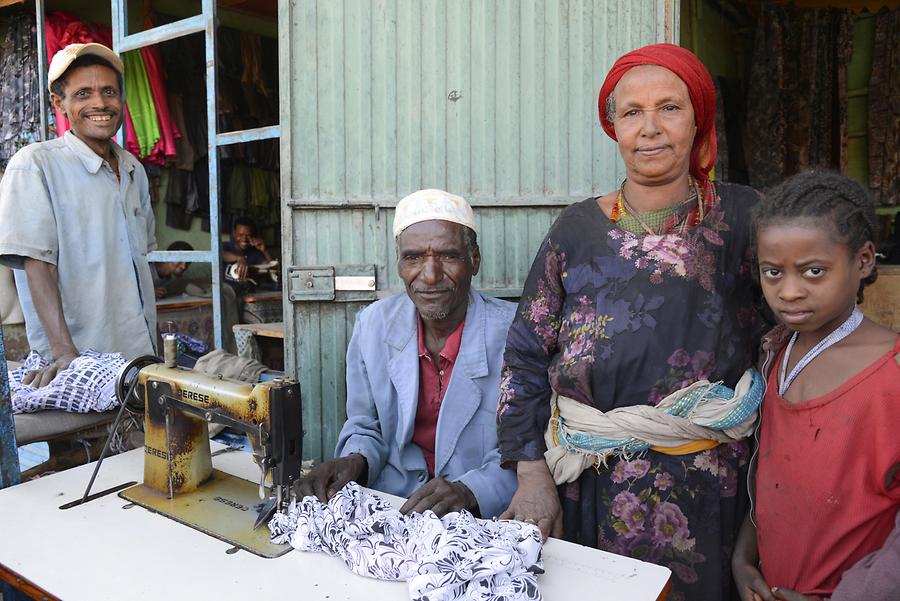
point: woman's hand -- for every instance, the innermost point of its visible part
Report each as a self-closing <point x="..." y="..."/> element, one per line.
<point x="536" y="501"/>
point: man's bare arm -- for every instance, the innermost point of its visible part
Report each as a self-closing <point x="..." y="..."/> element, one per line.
<point x="43" y="283"/>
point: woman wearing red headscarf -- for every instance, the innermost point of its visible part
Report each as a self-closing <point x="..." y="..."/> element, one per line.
<point x="633" y="296"/>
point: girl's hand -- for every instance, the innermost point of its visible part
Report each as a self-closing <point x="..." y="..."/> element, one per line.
<point x="750" y="582"/>
<point x="786" y="594"/>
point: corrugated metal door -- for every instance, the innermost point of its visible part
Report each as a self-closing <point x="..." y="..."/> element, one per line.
<point x="494" y="100"/>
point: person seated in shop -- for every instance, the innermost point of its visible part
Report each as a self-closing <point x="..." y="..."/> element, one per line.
<point x="423" y="375"/>
<point x="166" y="274"/>
<point x="245" y="248"/>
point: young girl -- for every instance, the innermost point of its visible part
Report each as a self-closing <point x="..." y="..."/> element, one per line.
<point x="826" y="489"/>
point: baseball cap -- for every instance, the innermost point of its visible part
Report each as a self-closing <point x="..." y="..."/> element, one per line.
<point x="65" y="57"/>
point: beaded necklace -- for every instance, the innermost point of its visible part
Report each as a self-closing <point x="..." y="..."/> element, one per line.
<point x="841" y="332"/>
<point x="660" y="221"/>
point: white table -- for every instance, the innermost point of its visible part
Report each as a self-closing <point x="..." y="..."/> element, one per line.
<point x="101" y="551"/>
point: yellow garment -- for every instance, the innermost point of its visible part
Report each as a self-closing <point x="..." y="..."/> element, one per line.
<point x="687" y="448"/>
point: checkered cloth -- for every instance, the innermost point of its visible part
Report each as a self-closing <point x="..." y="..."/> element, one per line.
<point x="88" y="384"/>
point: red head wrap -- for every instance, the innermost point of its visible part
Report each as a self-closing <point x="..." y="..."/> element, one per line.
<point x="687" y="66"/>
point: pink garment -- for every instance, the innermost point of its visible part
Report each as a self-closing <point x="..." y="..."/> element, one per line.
<point x="165" y="149"/>
<point x="131" y="139"/>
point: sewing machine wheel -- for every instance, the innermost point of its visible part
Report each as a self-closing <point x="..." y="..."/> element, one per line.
<point x="128" y="375"/>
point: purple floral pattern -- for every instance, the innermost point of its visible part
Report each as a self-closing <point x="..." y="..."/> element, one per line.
<point x="612" y="319"/>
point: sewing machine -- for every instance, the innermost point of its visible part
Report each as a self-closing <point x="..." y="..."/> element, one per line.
<point x="179" y="480"/>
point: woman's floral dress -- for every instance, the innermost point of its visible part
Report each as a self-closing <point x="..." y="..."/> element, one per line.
<point x="612" y="319"/>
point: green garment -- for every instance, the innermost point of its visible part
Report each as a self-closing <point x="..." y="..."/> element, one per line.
<point x="140" y="102"/>
<point x="259" y="188"/>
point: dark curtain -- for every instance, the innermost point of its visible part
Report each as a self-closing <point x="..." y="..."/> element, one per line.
<point x="884" y="110"/>
<point x="797" y="96"/>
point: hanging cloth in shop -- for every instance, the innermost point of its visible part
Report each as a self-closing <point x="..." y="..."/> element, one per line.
<point x="797" y="110"/>
<point x="131" y="140"/>
<point x="259" y="189"/>
<point x="140" y="103"/>
<point x="165" y="148"/>
<point x="184" y="155"/>
<point x="884" y="110"/>
<point x="20" y="118"/>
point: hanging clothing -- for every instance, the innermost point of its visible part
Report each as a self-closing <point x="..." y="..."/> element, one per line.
<point x="20" y="110"/>
<point x="131" y="139"/>
<point x="442" y="559"/>
<point x="612" y="319"/>
<point x="260" y="197"/>
<point x="884" y="110"/>
<point x="88" y="384"/>
<point x="184" y="152"/>
<point x="166" y="147"/>
<point x="798" y="110"/>
<point x="140" y="103"/>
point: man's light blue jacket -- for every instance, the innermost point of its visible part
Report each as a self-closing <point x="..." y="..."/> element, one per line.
<point x="383" y="391"/>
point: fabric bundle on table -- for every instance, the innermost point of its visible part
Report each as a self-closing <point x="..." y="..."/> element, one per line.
<point x="442" y="559"/>
<point x="88" y="384"/>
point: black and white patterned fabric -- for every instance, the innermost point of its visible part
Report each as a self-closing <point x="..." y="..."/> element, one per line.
<point x="457" y="557"/>
<point x="88" y="384"/>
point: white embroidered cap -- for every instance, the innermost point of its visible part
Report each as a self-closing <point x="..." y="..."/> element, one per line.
<point x="429" y="204"/>
<point x="65" y="57"/>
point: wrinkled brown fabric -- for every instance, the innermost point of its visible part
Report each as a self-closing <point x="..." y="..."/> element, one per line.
<point x="765" y="119"/>
<point x="797" y="109"/>
<point x="884" y="110"/>
<point x="721" y="134"/>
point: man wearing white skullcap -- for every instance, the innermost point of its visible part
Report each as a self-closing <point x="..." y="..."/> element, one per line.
<point x="423" y="374"/>
<point x="76" y="223"/>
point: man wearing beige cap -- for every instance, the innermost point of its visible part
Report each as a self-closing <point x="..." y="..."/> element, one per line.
<point x="76" y="223"/>
<point x="423" y="374"/>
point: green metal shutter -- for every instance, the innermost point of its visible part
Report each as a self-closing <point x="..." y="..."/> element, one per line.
<point x="494" y="100"/>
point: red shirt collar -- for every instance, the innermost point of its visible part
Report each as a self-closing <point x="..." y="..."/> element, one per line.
<point x="451" y="347"/>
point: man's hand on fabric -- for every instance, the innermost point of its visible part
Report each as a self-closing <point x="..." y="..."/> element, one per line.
<point x="786" y="594"/>
<point x="536" y="501"/>
<point x="41" y="377"/>
<point x="327" y="478"/>
<point x="440" y="496"/>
